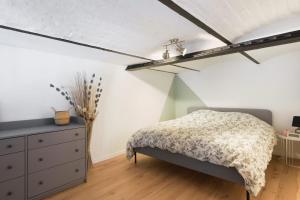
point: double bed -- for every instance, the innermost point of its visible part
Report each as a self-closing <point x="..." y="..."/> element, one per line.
<point x="234" y="144"/>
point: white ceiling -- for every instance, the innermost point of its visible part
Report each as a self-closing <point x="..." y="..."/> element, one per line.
<point x="136" y="27"/>
<point x="140" y="27"/>
<point x="21" y="40"/>
<point x="236" y="18"/>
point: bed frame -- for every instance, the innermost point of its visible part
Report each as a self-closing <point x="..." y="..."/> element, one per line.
<point x="227" y="173"/>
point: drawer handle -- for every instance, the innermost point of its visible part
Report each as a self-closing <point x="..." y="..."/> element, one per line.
<point x="76" y="150"/>
<point x="9" y="146"/>
<point x="41" y="140"/>
<point x="76" y="134"/>
<point x="9" y="167"/>
<point x="9" y="193"/>
<point x="40" y="159"/>
<point x="41" y="182"/>
<point x="76" y="170"/>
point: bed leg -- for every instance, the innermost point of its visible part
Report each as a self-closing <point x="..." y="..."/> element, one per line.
<point x="247" y="195"/>
<point x="134" y="157"/>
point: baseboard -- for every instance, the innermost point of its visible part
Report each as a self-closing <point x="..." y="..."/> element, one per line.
<point x="108" y="157"/>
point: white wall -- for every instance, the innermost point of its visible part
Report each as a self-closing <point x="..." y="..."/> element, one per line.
<point x="233" y="81"/>
<point x="130" y="100"/>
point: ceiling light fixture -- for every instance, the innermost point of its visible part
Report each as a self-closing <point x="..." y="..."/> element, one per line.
<point x="179" y="47"/>
<point x="182" y="50"/>
<point x="166" y="54"/>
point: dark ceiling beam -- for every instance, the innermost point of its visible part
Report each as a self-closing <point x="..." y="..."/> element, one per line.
<point x="163" y="71"/>
<point x="275" y="40"/>
<point x="79" y="44"/>
<point x="173" y="6"/>
<point x="71" y="42"/>
<point x="196" y="70"/>
<point x="178" y="66"/>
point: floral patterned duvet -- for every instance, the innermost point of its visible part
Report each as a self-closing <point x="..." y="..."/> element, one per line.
<point x="230" y="139"/>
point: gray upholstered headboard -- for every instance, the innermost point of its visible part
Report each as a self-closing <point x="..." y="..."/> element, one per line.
<point x="265" y="115"/>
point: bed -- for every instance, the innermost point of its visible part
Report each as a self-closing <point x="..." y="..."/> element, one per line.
<point x="205" y="165"/>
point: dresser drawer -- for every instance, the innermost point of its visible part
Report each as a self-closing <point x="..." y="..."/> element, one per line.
<point x="12" y="190"/>
<point x="11" y="166"/>
<point x="47" y="157"/>
<point x="55" y="177"/>
<point x="46" y="139"/>
<point x="11" y="145"/>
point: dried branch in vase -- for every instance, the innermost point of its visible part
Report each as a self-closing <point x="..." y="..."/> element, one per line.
<point x="84" y="96"/>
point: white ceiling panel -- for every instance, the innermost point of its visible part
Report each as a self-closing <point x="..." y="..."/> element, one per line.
<point x="137" y="27"/>
<point x="262" y="55"/>
<point x="287" y="24"/>
<point x="21" y="40"/>
<point x="236" y="18"/>
<point x="140" y="27"/>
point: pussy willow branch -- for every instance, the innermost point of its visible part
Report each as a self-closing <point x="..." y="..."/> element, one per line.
<point x="83" y="96"/>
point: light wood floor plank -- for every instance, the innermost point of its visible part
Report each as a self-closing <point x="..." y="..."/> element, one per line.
<point x="119" y="179"/>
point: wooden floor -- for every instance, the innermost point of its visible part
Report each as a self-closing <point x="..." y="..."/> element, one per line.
<point x="151" y="179"/>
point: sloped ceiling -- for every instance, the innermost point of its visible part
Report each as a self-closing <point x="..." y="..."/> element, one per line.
<point x="27" y="41"/>
<point x="235" y="18"/>
<point x="140" y="27"/>
<point x="131" y="26"/>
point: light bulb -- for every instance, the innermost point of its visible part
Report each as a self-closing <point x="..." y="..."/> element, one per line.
<point x="184" y="51"/>
<point x="166" y="54"/>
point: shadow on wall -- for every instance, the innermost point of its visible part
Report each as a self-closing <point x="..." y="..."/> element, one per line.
<point x="152" y="78"/>
<point x="180" y="98"/>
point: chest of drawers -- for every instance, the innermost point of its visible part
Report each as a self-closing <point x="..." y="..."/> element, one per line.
<point x="38" y="158"/>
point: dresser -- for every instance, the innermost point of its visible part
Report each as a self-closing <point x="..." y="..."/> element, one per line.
<point x="38" y="158"/>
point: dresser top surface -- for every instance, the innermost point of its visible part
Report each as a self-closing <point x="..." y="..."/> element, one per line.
<point x="30" y="127"/>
